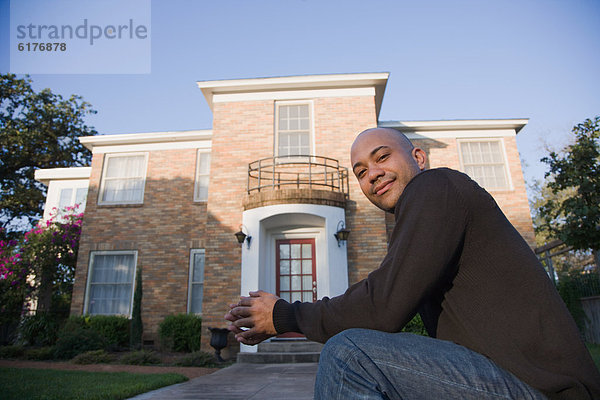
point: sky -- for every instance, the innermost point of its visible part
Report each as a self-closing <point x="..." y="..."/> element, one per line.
<point x="447" y="60"/>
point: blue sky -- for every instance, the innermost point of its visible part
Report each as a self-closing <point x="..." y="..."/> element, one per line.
<point x="447" y="60"/>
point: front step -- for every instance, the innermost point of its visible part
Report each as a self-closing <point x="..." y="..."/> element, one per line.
<point x="283" y="351"/>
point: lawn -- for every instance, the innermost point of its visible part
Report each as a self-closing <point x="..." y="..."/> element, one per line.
<point x="44" y="384"/>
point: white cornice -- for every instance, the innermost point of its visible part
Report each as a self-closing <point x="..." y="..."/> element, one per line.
<point x="48" y="174"/>
<point x="104" y="141"/>
<point x="456" y="125"/>
<point x="239" y="89"/>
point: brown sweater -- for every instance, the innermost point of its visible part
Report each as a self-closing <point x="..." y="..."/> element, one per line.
<point x="457" y="260"/>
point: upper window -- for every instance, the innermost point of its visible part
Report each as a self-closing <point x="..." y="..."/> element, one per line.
<point x="110" y="283"/>
<point x="196" y="287"/>
<point x="70" y="197"/>
<point x="202" y="174"/>
<point x="483" y="161"/>
<point x="293" y="129"/>
<point x="123" y="179"/>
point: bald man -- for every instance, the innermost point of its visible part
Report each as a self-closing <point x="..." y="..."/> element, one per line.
<point x="497" y="327"/>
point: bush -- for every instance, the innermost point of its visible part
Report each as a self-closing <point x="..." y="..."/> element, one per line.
<point x="197" y="359"/>
<point x="415" y="326"/>
<point x="93" y="357"/>
<point x="141" y="357"/>
<point x="11" y="351"/>
<point x="40" y="354"/>
<point x="181" y="332"/>
<point x="74" y="340"/>
<point x="40" y="329"/>
<point x="113" y="328"/>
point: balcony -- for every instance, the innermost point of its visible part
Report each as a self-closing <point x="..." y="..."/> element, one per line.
<point x="296" y="179"/>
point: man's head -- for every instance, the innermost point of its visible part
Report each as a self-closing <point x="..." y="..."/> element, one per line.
<point x="384" y="161"/>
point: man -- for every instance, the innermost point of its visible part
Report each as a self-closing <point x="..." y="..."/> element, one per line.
<point x="500" y="328"/>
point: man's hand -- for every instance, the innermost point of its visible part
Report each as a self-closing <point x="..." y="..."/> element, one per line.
<point x="256" y="313"/>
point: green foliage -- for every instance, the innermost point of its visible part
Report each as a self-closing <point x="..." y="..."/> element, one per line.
<point x="595" y="353"/>
<point x="113" y="328"/>
<point x="76" y="385"/>
<point x="141" y="357"/>
<point x="76" y="340"/>
<point x="137" y="327"/>
<point x="40" y="353"/>
<point x="181" y="332"/>
<point x="198" y="359"/>
<point x="12" y="351"/>
<point x="40" y="329"/>
<point x="93" y="357"/>
<point x="37" y="130"/>
<point x="571" y="291"/>
<point x="573" y="215"/>
<point x="415" y="326"/>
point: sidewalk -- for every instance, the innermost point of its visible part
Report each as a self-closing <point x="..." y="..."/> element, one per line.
<point x="244" y="381"/>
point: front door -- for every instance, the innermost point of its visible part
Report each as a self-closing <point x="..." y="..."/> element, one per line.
<point x="296" y="270"/>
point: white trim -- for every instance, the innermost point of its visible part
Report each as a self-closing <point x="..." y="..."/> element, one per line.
<point x="201" y="151"/>
<point x="293" y="94"/>
<point x="206" y="144"/>
<point x="190" y="282"/>
<point x="48" y="174"/>
<point x="457" y="125"/>
<point x="89" y="275"/>
<point x="504" y="155"/>
<point x="460" y="134"/>
<point x="145" y="138"/>
<point x="102" y="178"/>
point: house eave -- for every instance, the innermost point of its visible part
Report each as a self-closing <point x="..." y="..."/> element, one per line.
<point x="144" y="138"/>
<point x="50" y="174"/>
<point x="515" y="124"/>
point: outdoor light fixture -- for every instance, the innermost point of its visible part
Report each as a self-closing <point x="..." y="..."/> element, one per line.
<point x="342" y="233"/>
<point x="241" y="236"/>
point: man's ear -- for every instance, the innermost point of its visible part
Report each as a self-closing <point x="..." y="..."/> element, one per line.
<point x="420" y="157"/>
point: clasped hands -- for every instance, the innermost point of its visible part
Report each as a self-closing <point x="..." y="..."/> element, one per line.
<point x="255" y="314"/>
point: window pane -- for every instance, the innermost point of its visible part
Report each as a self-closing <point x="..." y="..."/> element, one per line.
<point x="284" y="283"/>
<point x="307" y="282"/>
<point x="296" y="283"/>
<point x="65" y="198"/>
<point x="307" y="250"/>
<point x="295" y="251"/>
<point x="198" y="272"/>
<point x="284" y="267"/>
<point x="296" y="296"/>
<point x="284" y="251"/>
<point x="296" y="265"/>
<point x="285" y="296"/>
<point x="80" y="197"/>
<point x="196" y="300"/>
<point x="307" y="297"/>
<point x="111" y="284"/>
<point x="307" y="266"/>
<point x="303" y="111"/>
<point x="124" y="180"/>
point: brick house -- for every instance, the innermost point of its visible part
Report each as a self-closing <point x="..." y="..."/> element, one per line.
<point x="274" y="166"/>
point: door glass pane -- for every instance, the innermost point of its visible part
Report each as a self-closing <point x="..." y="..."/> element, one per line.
<point x="307" y="266"/>
<point x="307" y="282"/>
<point x="296" y="267"/>
<point x="285" y="296"/>
<point x="296" y="296"/>
<point x="307" y="296"/>
<point x="284" y="267"/>
<point x="284" y="251"/>
<point x="296" y="283"/>
<point x="284" y="283"/>
<point x="295" y="251"/>
<point x="307" y="250"/>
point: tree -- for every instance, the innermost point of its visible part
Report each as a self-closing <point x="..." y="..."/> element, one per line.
<point x="573" y="213"/>
<point x="137" y="327"/>
<point x="37" y="130"/>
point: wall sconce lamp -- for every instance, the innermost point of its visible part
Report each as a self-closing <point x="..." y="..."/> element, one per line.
<point x="241" y="236"/>
<point x="342" y="233"/>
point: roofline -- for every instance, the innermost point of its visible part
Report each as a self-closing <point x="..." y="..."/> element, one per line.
<point x="377" y="80"/>
<point x="149" y="137"/>
<point x="47" y="174"/>
<point x="460" y="124"/>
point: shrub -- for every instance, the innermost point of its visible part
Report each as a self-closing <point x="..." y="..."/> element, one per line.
<point x="181" y="332"/>
<point x="197" y="359"/>
<point x="113" y="328"/>
<point x="415" y="326"/>
<point x="40" y="329"/>
<point x="76" y="340"/>
<point x="93" y="357"/>
<point x="40" y="354"/>
<point x="11" y="351"/>
<point x="141" y="357"/>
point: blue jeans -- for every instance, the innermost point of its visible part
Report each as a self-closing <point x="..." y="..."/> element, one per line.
<point x="367" y="364"/>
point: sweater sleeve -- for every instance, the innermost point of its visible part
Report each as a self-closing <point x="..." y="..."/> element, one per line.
<point x="431" y="219"/>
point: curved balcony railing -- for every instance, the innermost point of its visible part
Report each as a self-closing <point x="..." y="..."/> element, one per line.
<point x="297" y="172"/>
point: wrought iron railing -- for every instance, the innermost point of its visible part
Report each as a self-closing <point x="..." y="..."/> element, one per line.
<point x="299" y="172"/>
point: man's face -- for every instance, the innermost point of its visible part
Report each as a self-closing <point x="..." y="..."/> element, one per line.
<point x="383" y="163"/>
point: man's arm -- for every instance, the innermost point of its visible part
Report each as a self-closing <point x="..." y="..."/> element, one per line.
<point x="430" y="224"/>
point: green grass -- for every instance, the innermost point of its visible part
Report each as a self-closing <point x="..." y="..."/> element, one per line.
<point x="45" y="384"/>
<point x="595" y="352"/>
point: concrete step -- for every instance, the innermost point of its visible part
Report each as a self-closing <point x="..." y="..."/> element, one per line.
<point x="280" y="351"/>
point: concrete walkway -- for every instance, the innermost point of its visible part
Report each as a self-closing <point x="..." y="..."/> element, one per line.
<point x="245" y="381"/>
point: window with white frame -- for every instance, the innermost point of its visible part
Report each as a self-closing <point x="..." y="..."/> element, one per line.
<point x="110" y="282"/>
<point x="123" y="179"/>
<point x="483" y="161"/>
<point x="202" y="175"/>
<point x="70" y="197"/>
<point x="196" y="285"/>
<point x="293" y="129"/>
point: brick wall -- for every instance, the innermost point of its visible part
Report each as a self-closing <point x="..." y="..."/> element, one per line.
<point x="162" y="230"/>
